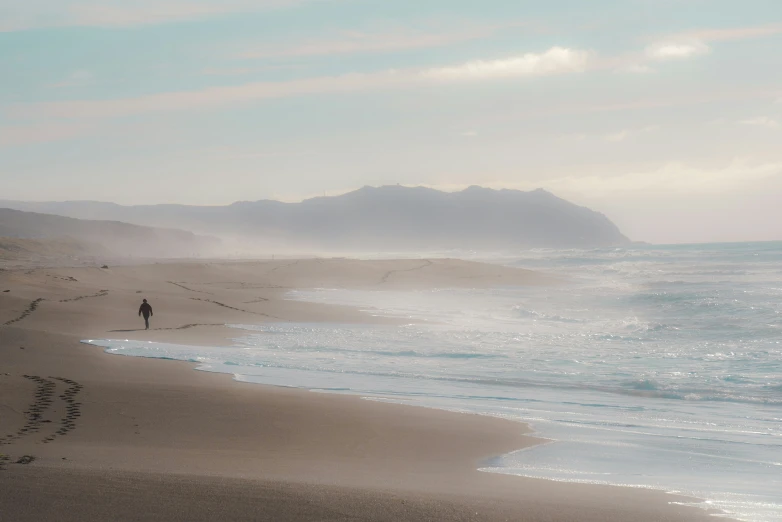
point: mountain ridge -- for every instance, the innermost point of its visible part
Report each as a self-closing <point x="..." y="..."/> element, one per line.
<point x="391" y="217"/>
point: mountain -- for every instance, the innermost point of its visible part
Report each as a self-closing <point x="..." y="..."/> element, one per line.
<point x="69" y="236"/>
<point x="390" y="218"/>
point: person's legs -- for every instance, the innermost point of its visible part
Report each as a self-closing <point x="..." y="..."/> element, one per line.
<point x="146" y="321"/>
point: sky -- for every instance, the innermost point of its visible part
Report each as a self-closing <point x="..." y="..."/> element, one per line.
<point x="665" y="115"/>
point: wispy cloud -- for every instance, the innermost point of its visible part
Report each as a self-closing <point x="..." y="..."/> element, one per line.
<point x="373" y="42"/>
<point x="241" y="71"/>
<point x="76" y="79"/>
<point x="669" y="179"/>
<point x="672" y="178"/>
<point x="223" y="153"/>
<point x="761" y="121"/>
<point x="230" y="71"/>
<point x="735" y="33"/>
<point x="676" y="49"/>
<point x="19" y="135"/>
<point x="557" y="60"/>
<point x="31" y="14"/>
<point x="611" y="137"/>
<point x="638" y="68"/>
<point x="209" y="98"/>
<point x="694" y="43"/>
<point x="622" y="135"/>
<point x="617" y="136"/>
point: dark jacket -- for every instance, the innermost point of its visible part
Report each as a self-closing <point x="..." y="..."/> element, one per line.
<point x="145" y="310"/>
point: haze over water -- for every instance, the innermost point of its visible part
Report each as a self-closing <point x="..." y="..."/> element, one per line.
<point x="654" y="367"/>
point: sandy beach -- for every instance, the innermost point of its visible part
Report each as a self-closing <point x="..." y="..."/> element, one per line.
<point x="124" y="438"/>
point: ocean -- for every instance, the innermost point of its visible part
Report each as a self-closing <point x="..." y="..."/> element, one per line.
<point x="653" y="367"/>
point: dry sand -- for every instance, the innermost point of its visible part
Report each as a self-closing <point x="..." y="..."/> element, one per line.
<point x="123" y="438"/>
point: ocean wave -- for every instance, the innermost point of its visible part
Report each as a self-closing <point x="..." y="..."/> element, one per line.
<point x="643" y="384"/>
<point x="385" y="353"/>
<point x="523" y="312"/>
<point x="645" y="387"/>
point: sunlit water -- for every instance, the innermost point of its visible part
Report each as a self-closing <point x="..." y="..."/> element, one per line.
<point x="656" y="367"/>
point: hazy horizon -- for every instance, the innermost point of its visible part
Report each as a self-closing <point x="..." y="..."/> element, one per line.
<point x="665" y="117"/>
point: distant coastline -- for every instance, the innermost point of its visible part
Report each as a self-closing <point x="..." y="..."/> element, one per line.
<point x="403" y="219"/>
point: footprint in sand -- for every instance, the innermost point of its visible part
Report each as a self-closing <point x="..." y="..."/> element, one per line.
<point x="72" y="409"/>
<point x="44" y="394"/>
<point x="102" y="293"/>
<point x="27" y="311"/>
<point x="44" y="398"/>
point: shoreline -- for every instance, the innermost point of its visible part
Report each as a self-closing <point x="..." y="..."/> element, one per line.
<point x="534" y="439"/>
<point x="191" y="431"/>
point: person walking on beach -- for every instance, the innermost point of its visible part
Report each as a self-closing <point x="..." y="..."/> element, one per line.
<point x="146" y="311"/>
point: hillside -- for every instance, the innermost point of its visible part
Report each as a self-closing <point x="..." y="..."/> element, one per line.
<point x="385" y="218"/>
<point x="29" y="234"/>
<point x="42" y="250"/>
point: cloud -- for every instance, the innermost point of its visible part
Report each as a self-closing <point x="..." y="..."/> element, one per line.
<point x="223" y="153"/>
<point x="20" y="135"/>
<point x="242" y="71"/>
<point x="76" y="79"/>
<point x="32" y="14"/>
<point x="231" y="71"/>
<point x="761" y="121"/>
<point x="676" y="49"/>
<point x="613" y="137"/>
<point x="144" y="13"/>
<point x="366" y="43"/>
<point x="670" y="179"/>
<point x="694" y="43"/>
<point x="638" y="69"/>
<point x="557" y="60"/>
<point x="627" y="133"/>
<point x="685" y="45"/>
<point x="209" y="98"/>
<point x="554" y="61"/>
<point x="735" y="33"/>
<point x="470" y="134"/>
<point x="617" y="136"/>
